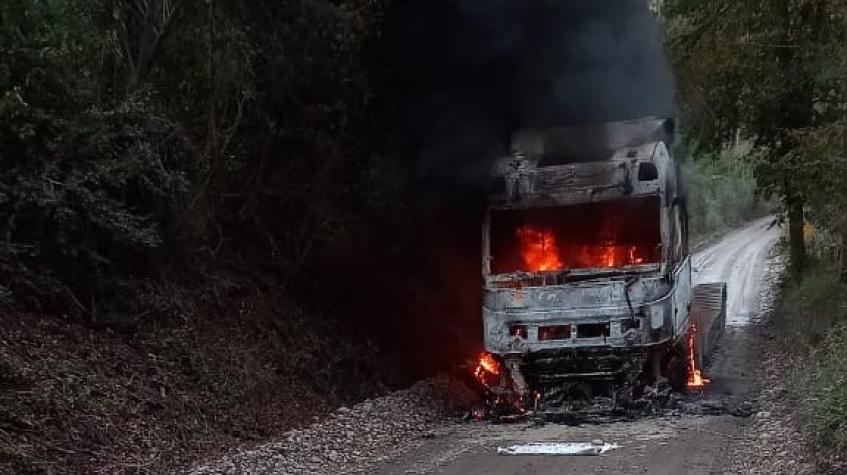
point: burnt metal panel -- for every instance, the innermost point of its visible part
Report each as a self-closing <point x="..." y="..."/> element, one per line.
<point x="643" y="307"/>
<point x="587" y="176"/>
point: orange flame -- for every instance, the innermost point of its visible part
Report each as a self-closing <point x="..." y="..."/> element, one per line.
<point x="633" y="258"/>
<point x="609" y="256"/>
<point x="486" y="368"/>
<point x="488" y="363"/>
<point x="695" y="376"/>
<point x="612" y="255"/>
<point x="538" y="249"/>
<point x="541" y="252"/>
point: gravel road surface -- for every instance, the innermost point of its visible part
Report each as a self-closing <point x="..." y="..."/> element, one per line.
<point x="738" y="259"/>
<point x="415" y="431"/>
<point x="673" y="445"/>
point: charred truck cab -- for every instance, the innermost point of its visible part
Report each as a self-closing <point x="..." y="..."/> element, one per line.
<point x="587" y="274"/>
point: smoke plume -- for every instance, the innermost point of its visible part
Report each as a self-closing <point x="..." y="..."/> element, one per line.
<point x="466" y="74"/>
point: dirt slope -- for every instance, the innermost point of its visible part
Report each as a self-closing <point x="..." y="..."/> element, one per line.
<point x="75" y="399"/>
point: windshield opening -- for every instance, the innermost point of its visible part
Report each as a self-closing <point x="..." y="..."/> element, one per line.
<point x="586" y="236"/>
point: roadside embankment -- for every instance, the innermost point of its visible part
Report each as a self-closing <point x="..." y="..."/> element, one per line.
<point x="802" y="424"/>
<point x="75" y="398"/>
<point x="810" y="326"/>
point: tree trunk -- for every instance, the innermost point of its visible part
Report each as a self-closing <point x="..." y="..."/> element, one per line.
<point x="796" y="238"/>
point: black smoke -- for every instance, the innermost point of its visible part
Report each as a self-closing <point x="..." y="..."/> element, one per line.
<point x="461" y="77"/>
<point x="466" y="74"/>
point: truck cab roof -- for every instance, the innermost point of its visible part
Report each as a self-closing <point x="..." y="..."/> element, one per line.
<point x="522" y="181"/>
<point x="552" y="167"/>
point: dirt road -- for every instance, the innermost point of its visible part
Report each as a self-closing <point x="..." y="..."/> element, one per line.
<point x="738" y="259"/>
<point x="679" y="444"/>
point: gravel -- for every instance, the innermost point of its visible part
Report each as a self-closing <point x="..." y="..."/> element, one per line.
<point x="774" y="442"/>
<point x="353" y="439"/>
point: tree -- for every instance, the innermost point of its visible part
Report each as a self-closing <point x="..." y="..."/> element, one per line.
<point x="88" y="186"/>
<point x="764" y="69"/>
<point x="139" y="132"/>
<point x="140" y="26"/>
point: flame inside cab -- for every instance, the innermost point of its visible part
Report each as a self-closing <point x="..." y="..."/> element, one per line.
<point x="584" y="236"/>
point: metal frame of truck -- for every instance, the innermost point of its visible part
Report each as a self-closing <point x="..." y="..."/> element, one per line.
<point x="623" y="322"/>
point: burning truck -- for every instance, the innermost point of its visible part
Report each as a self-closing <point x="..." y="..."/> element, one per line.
<point x="587" y="274"/>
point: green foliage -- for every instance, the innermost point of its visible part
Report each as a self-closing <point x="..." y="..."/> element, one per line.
<point x="90" y="186"/>
<point x="774" y="72"/>
<point x="808" y="308"/>
<point x="826" y="400"/>
<point x="722" y="193"/>
<point x="139" y="132"/>
<point x="811" y="321"/>
<point x="49" y="51"/>
<point x="824" y="148"/>
<point x="303" y="162"/>
<point x="87" y="187"/>
<point x="759" y="67"/>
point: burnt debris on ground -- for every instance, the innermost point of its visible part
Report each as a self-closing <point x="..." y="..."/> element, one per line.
<point x="657" y="401"/>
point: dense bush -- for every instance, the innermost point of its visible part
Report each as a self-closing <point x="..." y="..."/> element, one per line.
<point x="786" y="102"/>
<point x="134" y="133"/>
<point x="810" y="321"/>
<point x="87" y="187"/>
<point x="808" y="308"/>
<point x="98" y="195"/>
<point x="826" y="399"/>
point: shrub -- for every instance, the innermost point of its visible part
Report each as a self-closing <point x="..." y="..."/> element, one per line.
<point x="808" y="307"/>
<point x="87" y="187"/>
<point x="811" y="325"/>
<point x="826" y="401"/>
